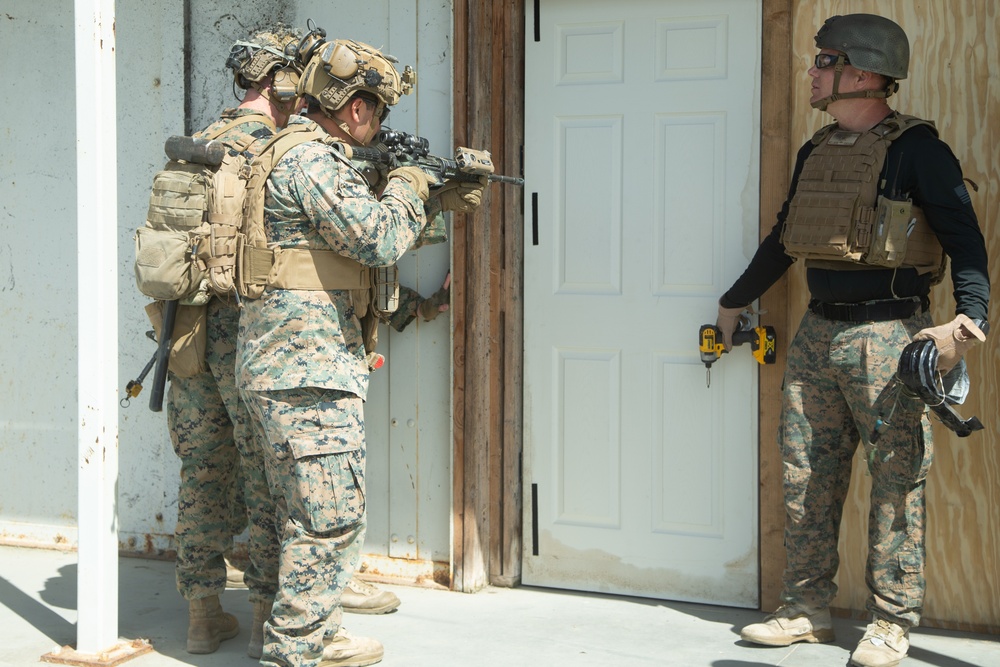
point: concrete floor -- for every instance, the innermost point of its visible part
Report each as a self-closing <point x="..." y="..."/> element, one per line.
<point x="498" y="627"/>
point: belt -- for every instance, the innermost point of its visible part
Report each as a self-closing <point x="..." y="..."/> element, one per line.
<point x="870" y="311"/>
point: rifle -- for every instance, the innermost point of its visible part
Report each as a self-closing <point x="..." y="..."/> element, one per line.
<point x="163" y="355"/>
<point x="398" y="149"/>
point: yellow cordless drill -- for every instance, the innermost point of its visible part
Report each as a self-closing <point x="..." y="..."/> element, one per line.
<point x="711" y="347"/>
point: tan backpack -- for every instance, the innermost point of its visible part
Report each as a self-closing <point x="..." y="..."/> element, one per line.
<point x="187" y="249"/>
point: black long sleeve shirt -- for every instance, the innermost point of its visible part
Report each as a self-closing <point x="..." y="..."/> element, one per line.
<point x="919" y="166"/>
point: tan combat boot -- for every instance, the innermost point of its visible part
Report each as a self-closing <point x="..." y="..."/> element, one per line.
<point x="208" y="625"/>
<point x="261" y="612"/>
<point x="789" y="625"/>
<point x="883" y="645"/>
<point x="360" y="597"/>
<point x="346" y="650"/>
<point x="234" y="574"/>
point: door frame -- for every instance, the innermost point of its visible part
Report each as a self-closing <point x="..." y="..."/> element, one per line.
<point x="487" y="289"/>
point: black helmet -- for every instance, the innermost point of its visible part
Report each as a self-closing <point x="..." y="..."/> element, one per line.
<point x="872" y="43"/>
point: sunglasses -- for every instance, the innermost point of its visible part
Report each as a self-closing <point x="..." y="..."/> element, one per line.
<point x="824" y="60"/>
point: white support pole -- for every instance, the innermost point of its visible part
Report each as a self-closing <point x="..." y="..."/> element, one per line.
<point x="97" y="282"/>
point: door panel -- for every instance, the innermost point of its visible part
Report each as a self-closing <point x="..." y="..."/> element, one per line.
<point x="641" y="156"/>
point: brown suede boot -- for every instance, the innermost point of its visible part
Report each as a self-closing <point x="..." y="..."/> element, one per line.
<point x="208" y="625"/>
<point x="261" y="612"/>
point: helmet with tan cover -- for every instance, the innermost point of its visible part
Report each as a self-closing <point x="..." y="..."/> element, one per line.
<point x="267" y="53"/>
<point x="340" y="69"/>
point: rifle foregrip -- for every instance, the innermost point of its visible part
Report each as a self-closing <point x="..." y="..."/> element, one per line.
<point x="163" y="356"/>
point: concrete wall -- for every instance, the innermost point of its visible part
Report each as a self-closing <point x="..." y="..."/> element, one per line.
<point x="38" y="270"/>
<point x="160" y="92"/>
<point x="38" y="258"/>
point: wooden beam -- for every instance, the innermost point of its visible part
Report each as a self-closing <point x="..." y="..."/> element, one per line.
<point x="459" y="280"/>
<point x="775" y="155"/>
<point x="508" y="156"/>
<point x="486" y="297"/>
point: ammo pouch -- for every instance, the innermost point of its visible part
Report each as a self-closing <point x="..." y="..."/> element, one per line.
<point x="189" y="339"/>
<point x="836" y="218"/>
<point x="383" y="302"/>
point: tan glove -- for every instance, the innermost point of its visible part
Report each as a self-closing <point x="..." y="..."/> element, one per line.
<point x="726" y="322"/>
<point x="952" y="340"/>
<point x="461" y="196"/>
<point x="418" y="179"/>
<point x="438" y="302"/>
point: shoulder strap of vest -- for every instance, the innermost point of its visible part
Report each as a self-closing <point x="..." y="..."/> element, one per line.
<point x="895" y="125"/>
<point x="889" y="129"/>
<point x="258" y="267"/>
<point x="822" y="132"/>
<point x="240" y="120"/>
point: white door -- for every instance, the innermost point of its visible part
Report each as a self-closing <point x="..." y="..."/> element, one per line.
<point x="641" y="165"/>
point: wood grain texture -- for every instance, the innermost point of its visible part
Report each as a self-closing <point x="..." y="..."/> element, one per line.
<point x="487" y="318"/>
<point x="953" y="81"/>
<point x="509" y="162"/>
<point x="459" y="282"/>
<point x="775" y="172"/>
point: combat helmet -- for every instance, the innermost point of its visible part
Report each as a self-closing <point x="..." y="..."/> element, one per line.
<point x="271" y="52"/>
<point x="339" y="69"/>
<point x="870" y="43"/>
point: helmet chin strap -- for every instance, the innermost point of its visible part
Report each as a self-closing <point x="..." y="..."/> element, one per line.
<point x="838" y="70"/>
<point x="348" y="134"/>
<point x="369" y="133"/>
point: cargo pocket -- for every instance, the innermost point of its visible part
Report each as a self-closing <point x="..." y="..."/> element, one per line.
<point x="328" y="489"/>
<point x="911" y="577"/>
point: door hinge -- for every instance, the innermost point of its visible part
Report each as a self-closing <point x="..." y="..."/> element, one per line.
<point x="534" y="218"/>
<point x="538" y="23"/>
<point x="534" y="519"/>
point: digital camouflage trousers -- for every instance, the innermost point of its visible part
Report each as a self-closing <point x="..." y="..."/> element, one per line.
<point x="223" y="488"/>
<point x="316" y="463"/>
<point x="835" y="372"/>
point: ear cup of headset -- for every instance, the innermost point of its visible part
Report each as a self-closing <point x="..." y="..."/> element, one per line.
<point x="284" y="82"/>
<point x="308" y="44"/>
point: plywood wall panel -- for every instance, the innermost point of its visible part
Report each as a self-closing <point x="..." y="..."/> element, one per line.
<point x="953" y="80"/>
